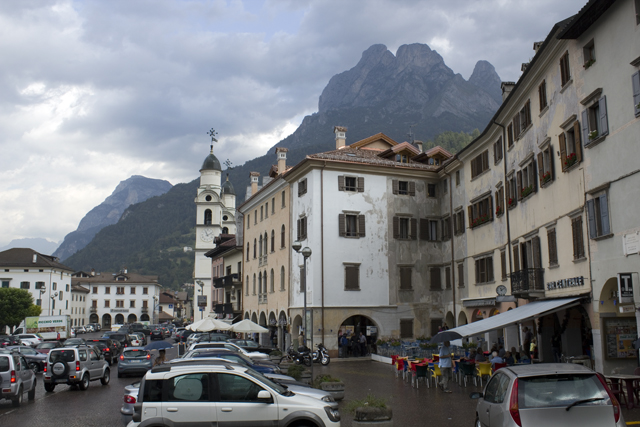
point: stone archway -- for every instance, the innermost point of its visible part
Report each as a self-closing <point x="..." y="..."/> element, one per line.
<point x="354" y="325"/>
<point x="296" y="327"/>
<point x="106" y="321"/>
<point x="273" y="329"/>
<point x="462" y="318"/>
<point x="449" y="320"/>
<point x="144" y="318"/>
<point x="284" y="338"/>
<point x="93" y="318"/>
<point x="246" y="315"/>
<point x="119" y="319"/>
<point x="254" y="318"/>
<point x="132" y="318"/>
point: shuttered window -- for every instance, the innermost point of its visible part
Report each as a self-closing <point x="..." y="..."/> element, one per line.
<point x="302" y="228"/>
<point x="635" y="83"/>
<point x="509" y="135"/>
<point x="503" y="264"/>
<point x="405" y="278"/>
<point x="484" y="270"/>
<point x="405" y="228"/>
<point x="302" y="188"/>
<point x="479" y="164"/>
<point x="461" y="275"/>
<point x="578" y="241"/>
<point x="595" y="123"/>
<point x="407" y="188"/>
<point x="458" y="222"/>
<point x="565" y="71"/>
<point x="350" y="183"/>
<point x="436" y="280"/>
<point x="352" y="277"/>
<point x="546" y="173"/>
<point x="542" y="95"/>
<point x="497" y="151"/>
<point x="446" y="228"/>
<point x="499" y="201"/>
<point x="351" y="225"/>
<point x="598" y="210"/>
<point x="481" y="211"/>
<point x="406" y="328"/>
<point x="516" y="257"/>
<point x="553" y="247"/>
<point x="447" y="277"/>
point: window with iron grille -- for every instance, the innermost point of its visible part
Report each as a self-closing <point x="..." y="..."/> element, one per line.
<point x="352" y="277"/>
<point x="578" y="241"/>
<point x="484" y="270"/>
<point x="553" y="247"/>
<point x="405" y="278"/>
<point x="436" y="279"/>
<point x="565" y="70"/>
<point x="406" y="328"/>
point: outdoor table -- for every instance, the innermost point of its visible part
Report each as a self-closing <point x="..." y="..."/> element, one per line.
<point x="628" y="379"/>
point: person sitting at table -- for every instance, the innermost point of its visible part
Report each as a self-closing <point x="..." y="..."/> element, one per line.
<point x="472" y="354"/>
<point x="515" y="354"/>
<point x="495" y="359"/>
<point x="524" y="359"/>
<point x="480" y="357"/>
<point x="501" y="351"/>
<point x="508" y="359"/>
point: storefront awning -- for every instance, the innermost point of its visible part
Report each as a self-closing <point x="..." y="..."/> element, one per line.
<point x="521" y="314"/>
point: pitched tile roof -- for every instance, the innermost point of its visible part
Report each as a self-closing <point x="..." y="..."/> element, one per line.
<point x="349" y="154"/>
<point x="28" y="258"/>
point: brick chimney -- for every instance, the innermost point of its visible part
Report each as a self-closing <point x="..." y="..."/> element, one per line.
<point x="506" y="89"/>
<point x="281" y="154"/>
<point x="254" y="182"/>
<point x="418" y="145"/>
<point x="341" y="136"/>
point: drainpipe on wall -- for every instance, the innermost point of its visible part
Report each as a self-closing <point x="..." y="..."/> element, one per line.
<point x="453" y="274"/>
<point x="322" y="250"/>
<point x="506" y="211"/>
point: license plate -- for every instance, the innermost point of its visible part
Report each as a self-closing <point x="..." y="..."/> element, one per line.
<point x="135" y="361"/>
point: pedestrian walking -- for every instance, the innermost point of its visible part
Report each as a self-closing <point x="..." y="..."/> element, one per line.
<point x="363" y="345"/>
<point x="344" y="341"/>
<point x="355" y="345"/>
<point x="445" y="366"/>
<point x="160" y="359"/>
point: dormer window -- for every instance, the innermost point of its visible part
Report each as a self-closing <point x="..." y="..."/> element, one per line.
<point x="402" y="158"/>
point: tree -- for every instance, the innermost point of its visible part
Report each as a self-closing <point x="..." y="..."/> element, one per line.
<point x="14" y="306"/>
<point x="34" y="310"/>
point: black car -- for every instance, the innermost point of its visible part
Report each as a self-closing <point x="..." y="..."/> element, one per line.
<point x="8" y="340"/>
<point x="123" y="339"/>
<point x="108" y="347"/>
<point x="35" y="359"/>
<point x="156" y="334"/>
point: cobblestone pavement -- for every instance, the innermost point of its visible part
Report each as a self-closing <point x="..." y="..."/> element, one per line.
<point x="411" y="406"/>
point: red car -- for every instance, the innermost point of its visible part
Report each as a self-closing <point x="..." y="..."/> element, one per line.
<point x="45" y="347"/>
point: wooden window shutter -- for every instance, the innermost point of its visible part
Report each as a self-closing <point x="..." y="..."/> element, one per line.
<point x="478" y="261"/>
<point x="396" y="227"/>
<point x="533" y="181"/>
<point x="361" y="226"/>
<point x="540" y="167"/>
<point x="473" y="168"/>
<point x="489" y="267"/>
<point x="553" y="250"/>
<point x="635" y="82"/>
<point x="490" y="201"/>
<point x="461" y="275"/>
<point x="341" y="183"/>
<point x="604" y="123"/>
<point x="593" y="232"/>
<point x="352" y="278"/>
<point x="563" y="150"/>
<point x="508" y="191"/>
<point x="516" y="257"/>
<point x="503" y="264"/>
<point x="412" y="188"/>
<point x="395" y="186"/>
<point x="405" y="278"/>
<point x="535" y="246"/>
<point x="585" y="127"/>
<point x="578" y="146"/>
<point x="424" y="229"/>
<point x="485" y="160"/>
<point x="604" y="215"/>
<point x="552" y="167"/>
<point x="470" y="211"/>
<point x="413" y="232"/>
<point x="455" y="224"/>
<point x="342" y="226"/>
<point x="360" y="184"/>
<point x="298" y="232"/>
<point x="519" y="182"/>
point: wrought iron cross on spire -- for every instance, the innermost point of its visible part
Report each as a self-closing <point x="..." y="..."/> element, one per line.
<point x="212" y="133"/>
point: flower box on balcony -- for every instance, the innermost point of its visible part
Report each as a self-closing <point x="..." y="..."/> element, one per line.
<point x="511" y="203"/>
<point x="571" y="159"/>
<point x="480" y="220"/>
<point x="526" y="191"/>
<point x="546" y="177"/>
<point x="499" y="210"/>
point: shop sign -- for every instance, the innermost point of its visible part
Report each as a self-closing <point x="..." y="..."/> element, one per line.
<point x="631" y="243"/>
<point x="119" y="310"/>
<point x="566" y="283"/>
<point x="202" y="300"/>
<point x="625" y="288"/>
<point x="627" y="309"/>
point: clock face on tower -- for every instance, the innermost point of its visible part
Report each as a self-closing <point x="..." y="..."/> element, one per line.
<point x="206" y="235"/>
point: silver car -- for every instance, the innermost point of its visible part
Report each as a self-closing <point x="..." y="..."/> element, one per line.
<point x="549" y="395"/>
<point x="75" y="366"/>
<point x="16" y="378"/>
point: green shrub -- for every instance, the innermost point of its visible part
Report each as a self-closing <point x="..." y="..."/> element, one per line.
<point x="276" y="353"/>
<point x="295" y="371"/>
<point x="319" y="379"/>
<point x="370" y="401"/>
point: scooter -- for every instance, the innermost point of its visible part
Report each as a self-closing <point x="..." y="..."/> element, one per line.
<point x="321" y="355"/>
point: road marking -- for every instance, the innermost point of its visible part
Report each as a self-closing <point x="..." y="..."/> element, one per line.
<point x="630" y="423"/>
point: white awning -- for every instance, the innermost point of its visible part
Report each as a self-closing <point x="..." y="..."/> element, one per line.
<point x="521" y="314"/>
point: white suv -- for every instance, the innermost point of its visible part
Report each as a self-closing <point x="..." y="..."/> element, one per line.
<point x="223" y="394"/>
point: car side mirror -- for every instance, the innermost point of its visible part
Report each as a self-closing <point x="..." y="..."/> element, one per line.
<point x="476" y="395"/>
<point x="265" y="396"/>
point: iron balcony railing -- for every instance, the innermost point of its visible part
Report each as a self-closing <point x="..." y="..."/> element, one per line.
<point x="527" y="281"/>
<point x="223" y="309"/>
<point x="228" y="280"/>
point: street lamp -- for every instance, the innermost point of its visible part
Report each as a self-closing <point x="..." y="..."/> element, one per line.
<point x="53" y="301"/>
<point x="155" y="304"/>
<point x="201" y="284"/>
<point x="306" y="253"/>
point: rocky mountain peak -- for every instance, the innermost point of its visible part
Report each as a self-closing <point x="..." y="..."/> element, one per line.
<point x="485" y="77"/>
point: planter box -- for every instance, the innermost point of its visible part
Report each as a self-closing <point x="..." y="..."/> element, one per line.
<point x="374" y="417"/>
<point x="306" y="377"/>
<point x="284" y="367"/>
<point x="336" y="389"/>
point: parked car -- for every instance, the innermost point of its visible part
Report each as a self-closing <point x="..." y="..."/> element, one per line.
<point x="134" y="361"/>
<point x="251" y="345"/>
<point x="31" y="340"/>
<point x="16" y="378"/>
<point x="110" y="349"/>
<point x="141" y="337"/>
<point x="35" y="360"/>
<point x="75" y="366"/>
<point x="89" y="328"/>
<point x="96" y="327"/>
<point x="80" y="330"/>
<point x="264" y="367"/>
<point x="9" y="340"/>
<point x="547" y="394"/>
<point x="156" y="334"/>
<point x="248" y="399"/>
<point x="122" y="339"/>
<point x="255" y="355"/>
<point x="46" y="346"/>
<point x="75" y="341"/>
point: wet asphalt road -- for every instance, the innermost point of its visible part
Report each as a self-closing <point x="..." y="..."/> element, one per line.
<point x="100" y="405"/>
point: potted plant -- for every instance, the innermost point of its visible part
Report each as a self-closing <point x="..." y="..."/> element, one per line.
<point x="511" y="203"/>
<point x="332" y="385"/>
<point x="499" y="210"/>
<point x="526" y="191"/>
<point x="593" y="135"/>
<point x="371" y="410"/>
<point x="546" y="177"/>
<point x="571" y="159"/>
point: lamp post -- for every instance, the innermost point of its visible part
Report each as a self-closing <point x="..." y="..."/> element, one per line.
<point x="306" y="253"/>
<point x="201" y="284"/>
<point x="155" y="304"/>
<point x="53" y="301"/>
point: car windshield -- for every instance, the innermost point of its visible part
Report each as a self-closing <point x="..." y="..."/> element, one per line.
<point x="135" y="353"/>
<point x="74" y="341"/>
<point x="28" y="351"/>
<point x="99" y="344"/>
<point x="560" y="390"/>
<point x="257" y="375"/>
<point x="46" y="345"/>
<point x="62" y="356"/>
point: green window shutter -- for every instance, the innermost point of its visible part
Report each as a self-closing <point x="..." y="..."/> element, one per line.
<point x="360" y="184"/>
<point x="341" y="225"/>
<point x="341" y="183"/>
<point x="361" y="226"/>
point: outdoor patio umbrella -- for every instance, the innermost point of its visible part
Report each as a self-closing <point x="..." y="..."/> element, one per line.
<point x="247" y="326"/>
<point x="209" y="324"/>
<point x="445" y="336"/>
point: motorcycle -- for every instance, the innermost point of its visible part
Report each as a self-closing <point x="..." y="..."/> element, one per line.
<point x="321" y="355"/>
<point x="302" y="356"/>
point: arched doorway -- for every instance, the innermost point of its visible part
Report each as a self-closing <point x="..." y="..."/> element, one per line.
<point x="449" y="320"/>
<point x="353" y="327"/>
<point x="284" y="338"/>
<point x="246" y="315"/>
<point x="132" y="318"/>
<point x="254" y="318"/>
<point x="273" y="329"/>
<point x="462" y="318"/>
<point x="119" y="319"/>
<point x="296" y="328"/>
<point x="477" y="315"/>
<point x="106" y="321"/>
<point x="144" y="318"/>
<point x="93" y="318"/>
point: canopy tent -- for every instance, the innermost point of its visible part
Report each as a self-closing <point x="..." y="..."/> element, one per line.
<point x="521" y="314"/>
<point x="209" y="324"/>
<point x="247" y="326"/>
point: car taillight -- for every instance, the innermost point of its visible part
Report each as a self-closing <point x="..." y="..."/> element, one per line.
<point x="77" y="365"/>
<point x="121" y="357"/>
<point x="106" y="349"/>
<point x="13" y="377"/>
<point x="513" y="404"/>
<point x="45" y="367"/>
<point x="614" y="401"/>
<point x="129" y="399"/>
<point x="148" y="356"/>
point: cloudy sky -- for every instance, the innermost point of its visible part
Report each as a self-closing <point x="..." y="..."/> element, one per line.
<point x="92" y="92"/>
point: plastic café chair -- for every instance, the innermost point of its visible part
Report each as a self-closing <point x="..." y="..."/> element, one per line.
<point x="618" y="391"/>
<point x="482" y="369"/>
<point x="399" y="366"/>
<point x="497" y="366"/>
<point x="468" y="370"/>
<point x="436" y="373"/>
<point x="422" y="372"/>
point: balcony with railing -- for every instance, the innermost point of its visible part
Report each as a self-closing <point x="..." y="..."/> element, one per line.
<point x="93" y="309"/>
<point x="223" y="309"/>
<point x="144" y="309"/>
<point x="228" y="280"/>
<point x="528" y="283"/>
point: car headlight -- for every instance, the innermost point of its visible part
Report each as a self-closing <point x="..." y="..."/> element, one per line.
<point x="328" y="398"/>
<point x="332" y="413"/>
